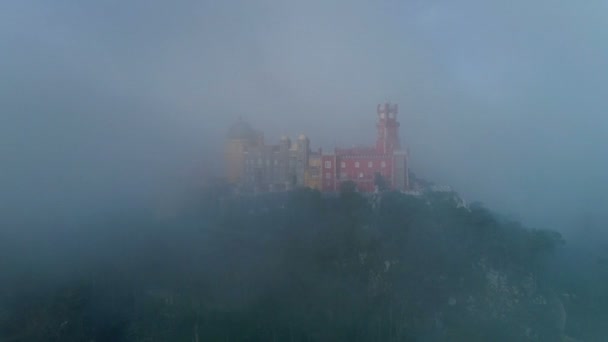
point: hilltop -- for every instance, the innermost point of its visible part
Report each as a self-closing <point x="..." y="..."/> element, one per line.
<point x="307" y="267"/>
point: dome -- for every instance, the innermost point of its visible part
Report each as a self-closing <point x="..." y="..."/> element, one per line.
<point x="241" y="130"/>
<point x="302" y="137"/>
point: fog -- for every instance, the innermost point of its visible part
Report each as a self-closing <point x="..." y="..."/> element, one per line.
<point x="112" y="109"/>
<point x="105" y="103"/>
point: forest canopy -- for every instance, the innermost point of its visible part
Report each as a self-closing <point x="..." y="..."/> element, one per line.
<point x="297" y="266"/>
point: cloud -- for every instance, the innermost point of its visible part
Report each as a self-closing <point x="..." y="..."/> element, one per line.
<point x="503" y="101"/>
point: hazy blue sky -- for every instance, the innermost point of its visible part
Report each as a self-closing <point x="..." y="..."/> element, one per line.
<point x="102" y="101"/>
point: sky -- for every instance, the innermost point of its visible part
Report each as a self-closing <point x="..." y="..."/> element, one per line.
<point x="104" y="103"/>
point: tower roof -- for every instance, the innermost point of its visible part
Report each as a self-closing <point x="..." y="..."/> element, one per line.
<point x="241" y="130"/>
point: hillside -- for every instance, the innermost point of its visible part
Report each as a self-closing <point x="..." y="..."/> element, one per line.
<point x="307" y="267"/>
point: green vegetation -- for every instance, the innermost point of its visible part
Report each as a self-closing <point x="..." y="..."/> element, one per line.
<point x="392" y="267"/>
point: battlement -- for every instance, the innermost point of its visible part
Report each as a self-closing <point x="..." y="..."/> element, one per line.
<point x="385" y="110"/>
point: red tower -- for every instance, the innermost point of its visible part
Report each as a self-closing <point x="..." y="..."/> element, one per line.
<point x="388" y="129"/>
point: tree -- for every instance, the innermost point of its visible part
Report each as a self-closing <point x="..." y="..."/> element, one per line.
<point x="347" y="188"/>
<point x="380" y="182"/>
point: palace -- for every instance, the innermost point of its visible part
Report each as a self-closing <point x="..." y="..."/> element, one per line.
<point x="254" y="166"/>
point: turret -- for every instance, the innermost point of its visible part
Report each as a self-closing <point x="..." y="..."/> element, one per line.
<point x="239" y="138"/>
<point x="388" y="128"/>
<point x="285" y="144"/>
<point x="303" y="143"/>
<point x="303" y="152"/>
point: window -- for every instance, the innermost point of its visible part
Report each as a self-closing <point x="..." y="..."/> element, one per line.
<point x="328" y="175"/>
<point x="343" y="164"/>
<point x="356" y="164"/>
<point x="370" y="164"/>
<point x="383" y="164"/>
<point x="361" y="175"/>
<point x="327" y="164"/>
